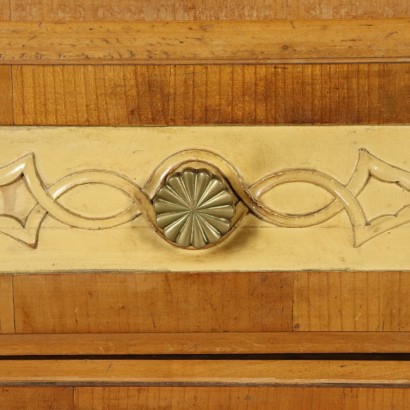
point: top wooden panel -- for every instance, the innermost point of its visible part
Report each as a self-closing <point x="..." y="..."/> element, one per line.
<point x="183" y="10"/>
<point x="206" y="43"/>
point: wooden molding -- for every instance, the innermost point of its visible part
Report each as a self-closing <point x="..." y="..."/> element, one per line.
<point x="297" y="41"/>
<point x="204" y="343"/>
<point x="204" y="372"/>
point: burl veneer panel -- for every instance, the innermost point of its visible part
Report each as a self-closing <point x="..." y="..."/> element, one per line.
<point x="213" y="94"/>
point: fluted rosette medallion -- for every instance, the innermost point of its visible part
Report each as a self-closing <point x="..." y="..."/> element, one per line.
<point x="194" y="208"/>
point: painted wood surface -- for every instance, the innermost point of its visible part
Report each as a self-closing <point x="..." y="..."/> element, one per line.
<point x="107" y="222"/>
<point x="195" y="95"/>
<point x="379" y="40"/>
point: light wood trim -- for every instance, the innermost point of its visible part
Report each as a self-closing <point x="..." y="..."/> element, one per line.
<point x="205" y="372"/>
<point x="204" y="343"/>
<point x="377" y="40"/>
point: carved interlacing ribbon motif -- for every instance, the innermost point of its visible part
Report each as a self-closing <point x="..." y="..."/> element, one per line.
<point x="248" y="196"/>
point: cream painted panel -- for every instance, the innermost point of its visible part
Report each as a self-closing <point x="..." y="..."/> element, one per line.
<point x="319" y="160"/>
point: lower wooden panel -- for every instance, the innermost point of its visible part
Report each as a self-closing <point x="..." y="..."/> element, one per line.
<point x="153" y="302"/>
<point x="241" y="398"/>
<point x="36" y="398"/>
<point x="211" y="302"/>
<point x="6" y="304"/>
<point x="203" y="398"/>
<point x="212" y="94"/>
<point x="352" y="301"/>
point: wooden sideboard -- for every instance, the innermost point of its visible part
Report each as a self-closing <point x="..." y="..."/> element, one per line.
<point x="116" y="119"/>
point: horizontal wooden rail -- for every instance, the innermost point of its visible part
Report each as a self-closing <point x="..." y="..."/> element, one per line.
<point x="370" y="40"/>
<point x="205" y="343"/>
<point x="204" y="372"/>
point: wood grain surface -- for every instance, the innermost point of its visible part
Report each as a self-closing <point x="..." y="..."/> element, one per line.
<point x="36" y="398"/>
<point x="6" y="95"/>
<point x="241" y="398"/>
<point x="209" y="372"/>
<point x="203" y="398"/>
<point x="6" y="304"/>
<point x="285" y="9"/>
<point x="354" y="301"/>
<point x="204" y="343"/>
<point x="214" y="302"/>
<point x="194" y="95"/>
<point x="168" y="10"/>
<point x="157" y="302"/>
<point x="5" y="11"/>
<point x="378" y="40"/>
<point x="89" y="10"/>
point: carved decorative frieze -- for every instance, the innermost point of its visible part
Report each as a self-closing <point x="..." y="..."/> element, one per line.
<point x="195" y="198"/>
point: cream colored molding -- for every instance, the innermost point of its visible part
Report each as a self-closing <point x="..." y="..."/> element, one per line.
<point x="309" y="191"/>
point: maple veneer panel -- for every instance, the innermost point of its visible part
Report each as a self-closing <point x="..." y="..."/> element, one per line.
<point x="6" y="304"/>
<point x="214" y="94"/>
<point x="36" y="398"/>
<point x="352" y="301"/>
<point x="241" y="398"/>
<point x="157" y="302"/>
<point x="6" y="95"/>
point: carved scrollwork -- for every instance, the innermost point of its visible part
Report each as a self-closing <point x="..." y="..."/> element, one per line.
<point x="195" y="198"/>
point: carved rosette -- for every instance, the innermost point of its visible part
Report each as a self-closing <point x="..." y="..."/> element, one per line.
<point x="194" y="208"/>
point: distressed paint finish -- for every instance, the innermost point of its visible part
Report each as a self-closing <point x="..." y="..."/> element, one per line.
<point x="284" y="207"/>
